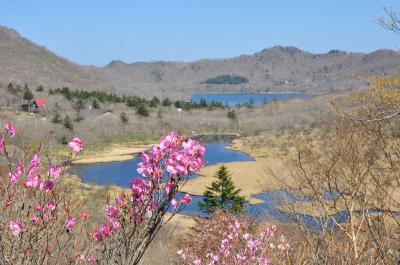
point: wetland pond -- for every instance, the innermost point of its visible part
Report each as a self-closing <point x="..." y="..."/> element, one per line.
<point x="119" y="174"/>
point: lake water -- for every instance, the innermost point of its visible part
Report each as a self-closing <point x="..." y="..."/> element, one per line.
<point x="233" y="99"/>
<point x="119" y="173"/>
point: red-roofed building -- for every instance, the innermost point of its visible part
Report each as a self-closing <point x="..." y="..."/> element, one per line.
<point x="39" y="103"/>
<point x="36" y="106"/>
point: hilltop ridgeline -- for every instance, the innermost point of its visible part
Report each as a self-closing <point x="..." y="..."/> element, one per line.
<point x="274" y="69"/>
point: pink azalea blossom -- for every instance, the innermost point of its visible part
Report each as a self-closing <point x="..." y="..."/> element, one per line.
<point x="33" y="181"/>
<point x="97" y="235"/>
<point x="115" y="225"/>
<point x="81" y="257"/>
<point x="33" y="178"/>
<point x="70" y="223"/>
<point x="35" y="162"/>
<point x="38" y="208"/>
<point x="84" y="215"/>
<point x="35" y="219"/>
<point x="174" y="204"/>
<point x="54" y="171"/>
<point x="17" y="227"/>
<point x="14" y="177"/>
<point x="20" y="168"/>
<point x="197" y="262"/>
<point x="186" y="199"/>
<point x="138" y="185"/>
<point x="168" y="187"/>
<point x="51" y="205"/>
<point x="121" y="202"/>
<point x="2" y="145"/>
<point x="91" y="259"/>
<point x="111" y="211"/>
<point x="76" y="145"/>
<point x="193" y="148"/>
<point x="105" y="230"/>
<point x="173" y="161"/>
<point x="47" y="216"/>
<point x="170" y="141"/>
<point x="47" y="186"/>
<point x="11" y="129"/>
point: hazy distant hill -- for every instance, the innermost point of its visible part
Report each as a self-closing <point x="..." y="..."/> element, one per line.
<point x="274" y="69"/>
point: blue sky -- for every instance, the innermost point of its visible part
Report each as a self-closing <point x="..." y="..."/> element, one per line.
<point x="96" y="32"/>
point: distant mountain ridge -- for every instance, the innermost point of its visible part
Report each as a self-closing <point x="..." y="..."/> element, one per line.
<point x="274" y="69"/>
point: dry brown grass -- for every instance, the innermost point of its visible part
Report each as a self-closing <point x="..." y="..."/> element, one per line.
<point x="251" y="177"/>
<point x="114" y="152"/>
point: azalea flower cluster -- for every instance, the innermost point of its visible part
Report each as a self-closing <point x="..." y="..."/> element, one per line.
<point x="227" y="239"/>
<point x="31" y="205"/>
<point x="163" y="170"/>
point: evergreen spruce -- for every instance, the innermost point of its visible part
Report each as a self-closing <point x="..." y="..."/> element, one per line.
<point x="95" y="104"/>
<point x="222" y="195"/>
<point x="142" y="110"/>
<point x="68" y="123"/>
<point x="232" y="115"/>
<point x="124" y="118"/>
<point x="166" y="102"/>
<point x="56" y="118"/>
<point x="27" y="94"/>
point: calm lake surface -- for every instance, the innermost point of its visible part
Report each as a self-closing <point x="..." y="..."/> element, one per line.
<point x="119" y="173"/>
<point x="233" y="99"/>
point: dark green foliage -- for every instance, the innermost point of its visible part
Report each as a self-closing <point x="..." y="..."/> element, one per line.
<point x="188" y="105"/>
<point x="27" y="93"/>
<point x="124" y="117"/>
<point x="215" y="104"/>
<point x="203" y="103"/>
<point x="85" y="95"/>
<point x="130" y="101"/>
<point x="232" y="115"/>
<point x="14" y="89"/>
<point x="56" y="118"/>
<point x="95" y="104"/>
<point x="68" y="123"/>
<point x="166" y="102"/>
<point x="227" y="80"/>
<point x="79" y="105"/>
<point x="222" y="195"/>
<point x="135" y="102"/>
<point x="10" y="87"/>
<point x="250" y="104"/>
<point x="142" y="110"/>
<point x="39" y="88"/>
<point x="154" y="102"/>
<point x="178" y="104"/>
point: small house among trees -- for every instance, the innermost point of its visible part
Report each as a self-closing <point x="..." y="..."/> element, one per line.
<point x="36" y="106"/>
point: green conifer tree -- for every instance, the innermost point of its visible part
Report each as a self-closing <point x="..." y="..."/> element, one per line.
<point x="222" y="195"/>
<point x="68" y="123"/>
<point x="124" y="118"/>
<point x="27" y="94"/>
<point x="95" y="104"/>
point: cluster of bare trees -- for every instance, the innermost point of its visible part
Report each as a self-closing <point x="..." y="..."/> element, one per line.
<point x="352" y="175"/>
